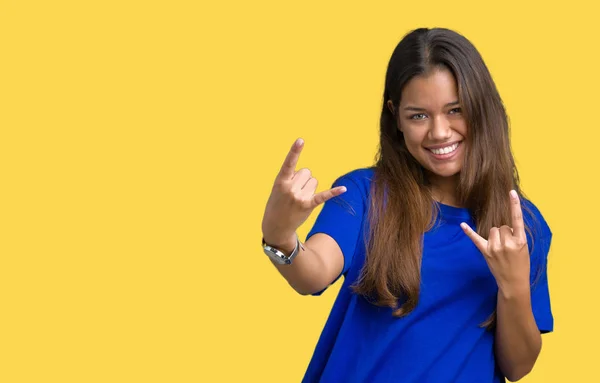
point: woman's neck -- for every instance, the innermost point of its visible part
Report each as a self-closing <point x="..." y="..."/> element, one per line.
<point x="445" y="190"/>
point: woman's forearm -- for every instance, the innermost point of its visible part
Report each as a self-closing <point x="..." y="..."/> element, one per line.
<point x="518" y="339"/>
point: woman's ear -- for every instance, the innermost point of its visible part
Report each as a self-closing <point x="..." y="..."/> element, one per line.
<point x="390" y="106"/>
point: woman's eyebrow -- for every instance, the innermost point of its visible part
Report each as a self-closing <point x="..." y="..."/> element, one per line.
<point x="414" y="108"/>
<point x="417" y="109"/>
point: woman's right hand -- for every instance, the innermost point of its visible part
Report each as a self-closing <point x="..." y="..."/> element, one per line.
<point x="292" y="200"/>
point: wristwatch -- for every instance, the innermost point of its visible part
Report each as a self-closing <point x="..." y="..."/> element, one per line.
<point x="279" y="256"/>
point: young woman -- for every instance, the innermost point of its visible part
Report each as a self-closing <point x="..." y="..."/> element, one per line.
<point x="443" y="258"/>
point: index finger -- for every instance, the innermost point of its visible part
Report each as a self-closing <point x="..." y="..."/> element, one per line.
<point x="291" y="160"/>
<point x="516" y="213"/>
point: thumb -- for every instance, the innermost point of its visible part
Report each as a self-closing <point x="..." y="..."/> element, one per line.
<point x="326" y="195"/>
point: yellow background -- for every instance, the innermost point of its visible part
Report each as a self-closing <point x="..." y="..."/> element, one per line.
<point x="139" y="140"/>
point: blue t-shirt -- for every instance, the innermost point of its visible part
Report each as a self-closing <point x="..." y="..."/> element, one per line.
<point x="442" y="339"/>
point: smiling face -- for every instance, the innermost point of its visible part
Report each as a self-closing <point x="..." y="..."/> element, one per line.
<point x="432" y="123"/>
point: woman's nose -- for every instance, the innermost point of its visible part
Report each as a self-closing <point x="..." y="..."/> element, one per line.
<point x="440" y="129"/>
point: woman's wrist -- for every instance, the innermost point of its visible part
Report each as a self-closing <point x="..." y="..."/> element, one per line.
<point x="286" y="243"/>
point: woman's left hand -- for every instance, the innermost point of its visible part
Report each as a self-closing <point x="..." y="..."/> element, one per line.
<point x="506" y="251"/>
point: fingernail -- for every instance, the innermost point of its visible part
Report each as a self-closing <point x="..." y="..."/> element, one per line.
<point x="344" y="189"/>
<point x="513" y="194"/>
<point x="463" y="225"/>
<point x="299" y="141"/>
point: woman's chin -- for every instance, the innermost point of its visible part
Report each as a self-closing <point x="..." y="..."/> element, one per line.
<point x="444" y="172"/>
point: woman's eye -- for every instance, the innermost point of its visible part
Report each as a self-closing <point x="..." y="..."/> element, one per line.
<point x="419" y="116"/>
<point x="455" y="110"/>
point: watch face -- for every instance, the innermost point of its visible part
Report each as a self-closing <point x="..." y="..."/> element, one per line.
<point x="273" y="255"/>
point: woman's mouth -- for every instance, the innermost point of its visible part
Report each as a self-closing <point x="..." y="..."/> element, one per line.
<point x="445" y="152"/>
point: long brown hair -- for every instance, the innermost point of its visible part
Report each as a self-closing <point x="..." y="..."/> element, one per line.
<point x="402" y="207"/>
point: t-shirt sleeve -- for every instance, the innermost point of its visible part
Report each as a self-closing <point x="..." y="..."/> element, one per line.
<point x="539" y="239"/>
<point x="342" y="218"/>
<point x="540" y="294"/>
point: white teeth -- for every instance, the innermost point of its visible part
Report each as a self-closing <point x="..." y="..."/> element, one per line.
<point x="446" y="150"/>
